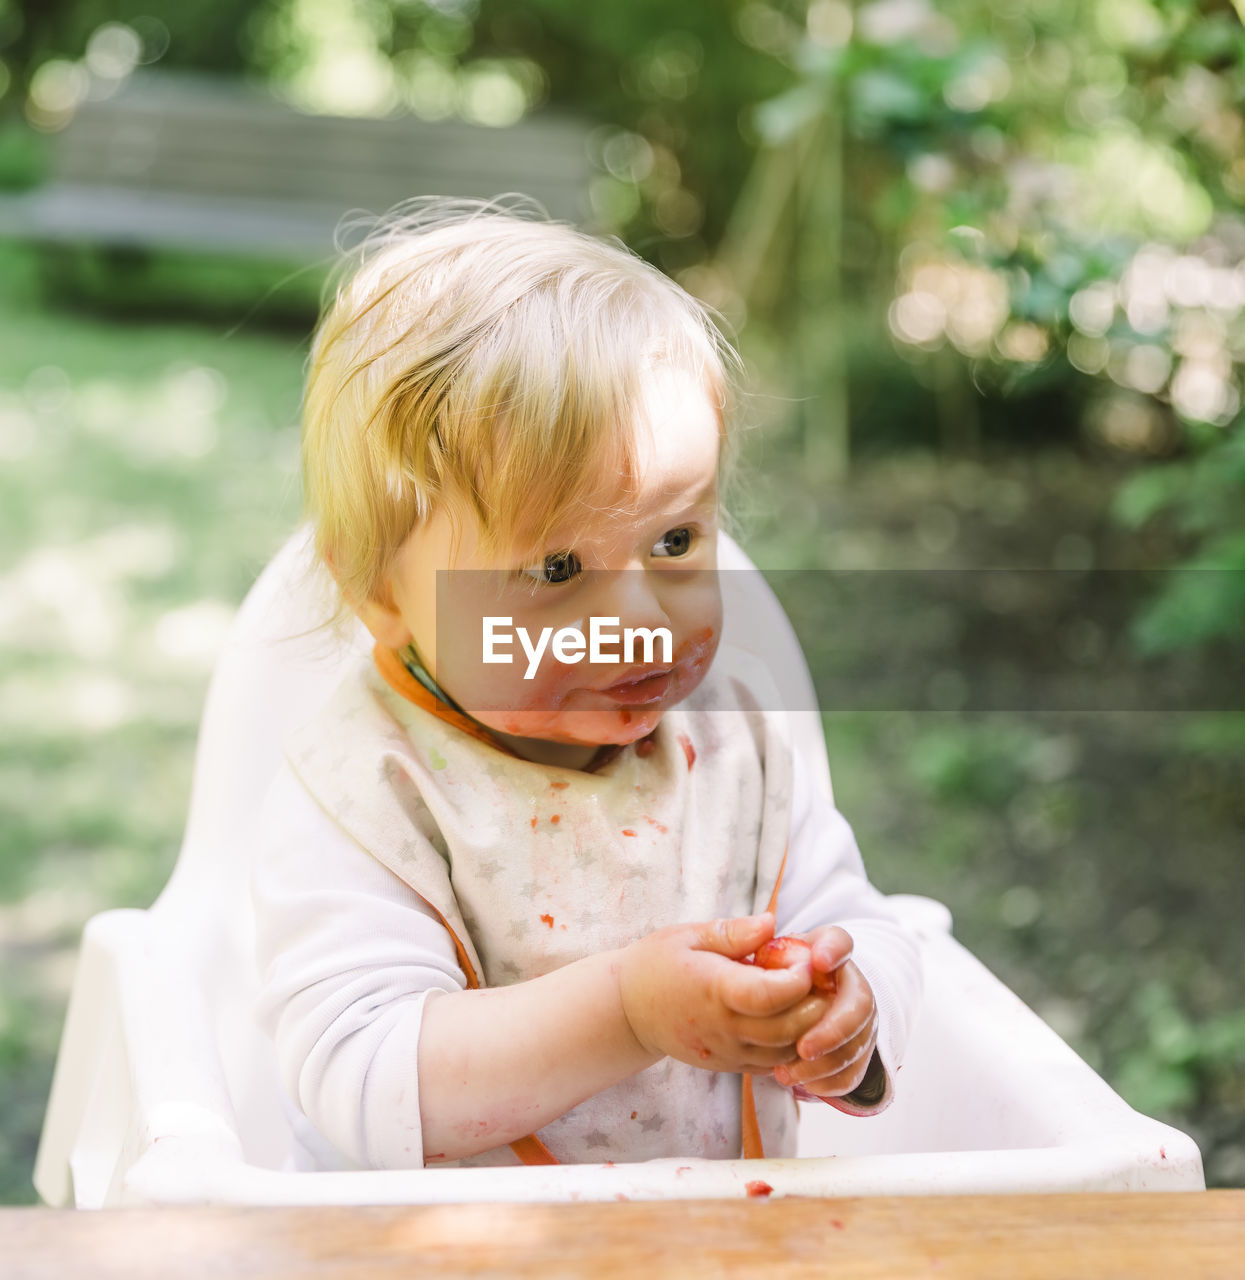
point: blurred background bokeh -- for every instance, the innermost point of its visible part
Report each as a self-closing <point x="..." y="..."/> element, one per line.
<point x="986" y="261"/>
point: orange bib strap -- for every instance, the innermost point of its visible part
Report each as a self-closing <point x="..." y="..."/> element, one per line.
<point x="394" y="673"/>
<point x="532" y="1151"/>
<point x="773" y="898"/>
<point x="752" y="1146"/>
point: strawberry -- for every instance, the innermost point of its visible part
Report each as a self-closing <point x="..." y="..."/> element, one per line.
<point x="784" y="953"/>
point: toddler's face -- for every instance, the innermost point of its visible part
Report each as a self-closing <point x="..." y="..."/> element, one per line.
<point x="649" y="562"/>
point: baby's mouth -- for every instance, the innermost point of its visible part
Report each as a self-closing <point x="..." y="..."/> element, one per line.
<point x="638" y="688"/>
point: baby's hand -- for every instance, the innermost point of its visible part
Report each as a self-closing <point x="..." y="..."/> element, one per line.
<point x="834" y="1053"/>
<point x="685" y="994"/>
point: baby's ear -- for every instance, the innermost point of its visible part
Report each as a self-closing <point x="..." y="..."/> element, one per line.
<point x="379" y="614"/>
<point x="382" y="617"/>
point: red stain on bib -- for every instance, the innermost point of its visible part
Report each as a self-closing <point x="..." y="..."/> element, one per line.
<point x="627" y="831"/>
<point x="688" y="750"/>
<point x="759" y="1188"/>
<point x="547" y="920"/>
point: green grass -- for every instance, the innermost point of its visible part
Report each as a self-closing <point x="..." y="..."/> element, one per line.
<point x="147" y="472"/>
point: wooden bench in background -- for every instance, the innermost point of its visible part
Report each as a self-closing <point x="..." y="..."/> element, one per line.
<point x="192" y="162"/>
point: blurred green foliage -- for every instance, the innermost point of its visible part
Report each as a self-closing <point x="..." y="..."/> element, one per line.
<point x="1205" y="495"/>
<point x="23" y="157"/>
<point x="1178" y="1060"/>
<point x="973" y="764"/>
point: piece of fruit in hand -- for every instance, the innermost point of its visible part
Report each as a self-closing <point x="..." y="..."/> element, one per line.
<point x="783" y="953"/>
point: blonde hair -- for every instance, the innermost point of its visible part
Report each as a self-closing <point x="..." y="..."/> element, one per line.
<point x="474" y="355"/>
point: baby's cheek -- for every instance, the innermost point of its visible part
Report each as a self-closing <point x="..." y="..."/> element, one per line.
<point x="495" y="691"/>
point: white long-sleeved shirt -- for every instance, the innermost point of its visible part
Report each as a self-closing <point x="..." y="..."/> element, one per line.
<point x="382" y="796"/>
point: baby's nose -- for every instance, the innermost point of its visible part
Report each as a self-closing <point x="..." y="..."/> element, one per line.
<point x="633" y="600"/>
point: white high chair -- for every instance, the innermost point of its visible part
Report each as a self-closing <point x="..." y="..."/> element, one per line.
<point x="165" y="1091"/>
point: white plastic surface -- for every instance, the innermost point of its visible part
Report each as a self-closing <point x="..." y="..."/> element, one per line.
<point x="165" y="1091"/>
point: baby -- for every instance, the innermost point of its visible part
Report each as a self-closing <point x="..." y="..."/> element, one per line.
<point x="509" y="880"/>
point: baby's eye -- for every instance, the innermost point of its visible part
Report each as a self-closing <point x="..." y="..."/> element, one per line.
<point x="562" y="566"/>
<point x="674" y="542"/>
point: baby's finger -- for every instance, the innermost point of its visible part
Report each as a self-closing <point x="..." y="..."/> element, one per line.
<point x="836" y="1084"/>
<point x="835" y="1032"/>
<point x="783" y="1028"/>
<point x="831" y="946"/>
<point x="853" y="1006"/>
<point x="845" y="1056"/>
<point x="760" y="1058"/>
<point x="760" y="993"/>
<point x="735" y="937"/>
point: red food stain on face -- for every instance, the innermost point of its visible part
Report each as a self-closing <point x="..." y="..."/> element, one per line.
<point x="694" y="641"/>
<point x="645" y="747"/>
<point x="547" y="920"/>
<point x="688" y="750"/>
<point x="759" y="1188"/>
<point x="627" y="831"/>
<point x="557" y="817"/>
<point x="697" y="651"/>
<point x="836" y="1224"/>
<point x="559" y="786"/>
<point x="624" y="715"/>
<point x="661" y="826"/>
<point x="704" y="1053"/>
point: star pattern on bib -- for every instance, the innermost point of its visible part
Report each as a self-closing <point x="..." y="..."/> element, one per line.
<point x="584" y="856"/>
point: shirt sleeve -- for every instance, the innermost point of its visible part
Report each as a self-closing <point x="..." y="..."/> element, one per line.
<point x="825" y="883"/>
<point x="347" y="955"/>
